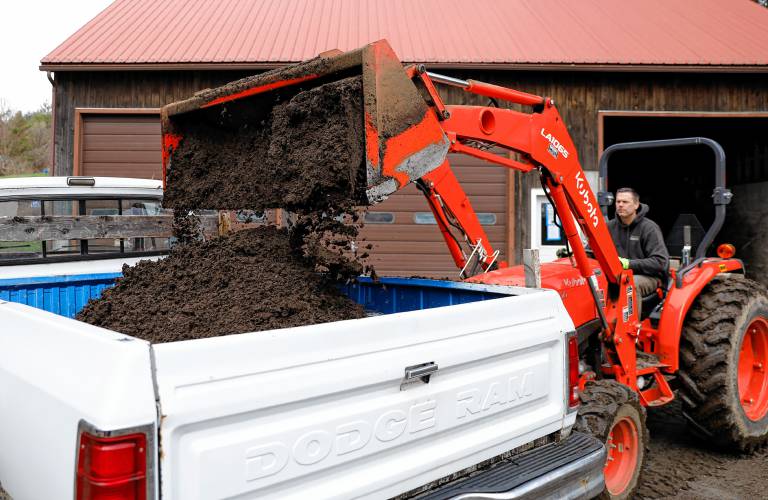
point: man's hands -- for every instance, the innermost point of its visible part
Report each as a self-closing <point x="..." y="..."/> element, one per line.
<point x="624" y="262"/>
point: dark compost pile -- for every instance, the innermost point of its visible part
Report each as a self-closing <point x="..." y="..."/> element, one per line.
<point x="249" y="281"/>
<point x="307" y="157"/>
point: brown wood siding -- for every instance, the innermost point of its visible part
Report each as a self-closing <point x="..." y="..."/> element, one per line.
<point x="119" y="89"/>
<point x="121" y="146"/>
<point x="578" y="95"/>
<point x="406" y="248"/>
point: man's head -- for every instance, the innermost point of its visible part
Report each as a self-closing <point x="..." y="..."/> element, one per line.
<point x="627" y="203"/>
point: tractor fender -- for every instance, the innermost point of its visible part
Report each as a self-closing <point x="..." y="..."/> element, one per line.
<point x="679" y="301"/>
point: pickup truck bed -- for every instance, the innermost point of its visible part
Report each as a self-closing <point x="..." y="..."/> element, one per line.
<point x="406" y="402"/>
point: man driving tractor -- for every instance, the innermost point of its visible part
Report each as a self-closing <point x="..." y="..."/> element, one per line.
<point x="639" y="242"/>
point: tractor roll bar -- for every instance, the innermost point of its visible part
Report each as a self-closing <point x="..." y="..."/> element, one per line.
<point x="721" y="195"/>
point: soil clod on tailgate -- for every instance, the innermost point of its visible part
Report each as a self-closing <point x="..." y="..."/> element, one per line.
<point x="249" y="281"/>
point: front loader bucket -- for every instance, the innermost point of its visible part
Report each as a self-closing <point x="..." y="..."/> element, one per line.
<point x="346" y="125"/>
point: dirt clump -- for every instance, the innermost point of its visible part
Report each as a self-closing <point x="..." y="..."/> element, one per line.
<point x="249" y="281"/>
<point x="307" y="154"/>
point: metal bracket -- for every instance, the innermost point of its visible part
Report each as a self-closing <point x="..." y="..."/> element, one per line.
<point x="686" y="257"/>
<point x="418" y="373"/>
<point x="722" y="196"/>
<point x="476" y="250"/>
<point x="479" y="251"/>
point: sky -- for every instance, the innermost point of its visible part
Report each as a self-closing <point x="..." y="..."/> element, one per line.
<point x="29" y="30"/>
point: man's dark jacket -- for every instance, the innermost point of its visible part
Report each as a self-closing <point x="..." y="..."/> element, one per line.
<point x="642" y="243"/>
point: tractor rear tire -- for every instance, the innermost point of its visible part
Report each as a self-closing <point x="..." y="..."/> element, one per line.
<point x="612" y="413"/>
<point x="723" y="352"/>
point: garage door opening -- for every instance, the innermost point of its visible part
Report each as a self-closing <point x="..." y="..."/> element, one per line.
<point x="677" y="183"/>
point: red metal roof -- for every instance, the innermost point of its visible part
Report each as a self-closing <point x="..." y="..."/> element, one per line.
<point x="487" y="32"/>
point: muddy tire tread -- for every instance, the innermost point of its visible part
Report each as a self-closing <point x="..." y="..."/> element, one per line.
<point x="708" y="337"/>
<point x="600" y="402"/>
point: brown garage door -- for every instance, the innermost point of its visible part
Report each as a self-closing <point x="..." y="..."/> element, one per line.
<point x="407" y="242"/>
<point x="120" y="145"/>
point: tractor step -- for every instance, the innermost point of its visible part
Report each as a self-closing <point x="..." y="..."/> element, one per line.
<point x="647" y="363"/>
<point x="660" y="392"/>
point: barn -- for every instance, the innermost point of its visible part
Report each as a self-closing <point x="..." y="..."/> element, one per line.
<point x="617" y="71"/>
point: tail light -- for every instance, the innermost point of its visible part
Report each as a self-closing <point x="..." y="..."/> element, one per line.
<point x="573" y="371"/>
<point x="112" y="468"/>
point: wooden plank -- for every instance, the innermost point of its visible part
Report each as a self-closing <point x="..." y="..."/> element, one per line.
<point x="414" y="247"/>
<point x="414" y="232"/>
<point x="123" y="142"/>
<point x="532" y="267"/>
<point x="407" y="217"/>
<point x="59" y="227"/>
<point x="96" y="156"/>
<point x="405" y="203"/>
<point x="118" y="126"/>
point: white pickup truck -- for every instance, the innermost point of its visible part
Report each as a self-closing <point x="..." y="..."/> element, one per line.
<point x="447" y="390"/>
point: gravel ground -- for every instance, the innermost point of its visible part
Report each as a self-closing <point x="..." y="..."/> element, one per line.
<point x="681" y="466"/>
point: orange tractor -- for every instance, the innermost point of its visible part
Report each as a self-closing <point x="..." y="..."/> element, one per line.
<point x="703" y="336"/>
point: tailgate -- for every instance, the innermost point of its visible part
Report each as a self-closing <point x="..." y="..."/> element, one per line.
<point x="323" y="411"/>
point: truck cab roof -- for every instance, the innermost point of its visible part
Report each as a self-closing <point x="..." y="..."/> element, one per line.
<point x="79" y="187"/>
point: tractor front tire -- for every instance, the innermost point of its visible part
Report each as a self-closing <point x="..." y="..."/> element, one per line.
<point x="612" y="413"/>
<point x="723" y="353"/>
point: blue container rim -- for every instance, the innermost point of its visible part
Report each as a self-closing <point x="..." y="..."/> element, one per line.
<point x="395" y="281"/>
<point x="64" y="278"/>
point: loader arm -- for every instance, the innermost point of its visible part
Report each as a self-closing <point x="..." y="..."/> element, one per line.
<point x="542" y="143"/>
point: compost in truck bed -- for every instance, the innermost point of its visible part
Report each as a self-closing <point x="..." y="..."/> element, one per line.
<point x="249" y="281"/>
<point x="306" y="154"/>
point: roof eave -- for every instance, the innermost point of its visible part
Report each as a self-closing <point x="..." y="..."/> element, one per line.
<point x="647" y="68"/>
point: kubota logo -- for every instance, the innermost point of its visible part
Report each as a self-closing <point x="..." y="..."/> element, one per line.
<point x="555" y="146"/>
<point x="583" y="188"/>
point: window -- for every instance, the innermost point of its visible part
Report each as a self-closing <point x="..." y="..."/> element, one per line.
<point x="58" y="248"/>
<point x="11" y="250"/>
<point x="486" y="219"/>
<point x="19" y="208"/>
<point x="142" y="207"/>
<point x="551" y="232"/>
<point x="379" y="218"/>
<point x="250" y="216"/>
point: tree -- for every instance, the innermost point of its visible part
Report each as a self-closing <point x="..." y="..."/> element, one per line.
<point x="25" y="140"/>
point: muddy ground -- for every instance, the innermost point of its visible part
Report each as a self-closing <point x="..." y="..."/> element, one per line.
<point x="681" y="466"/>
